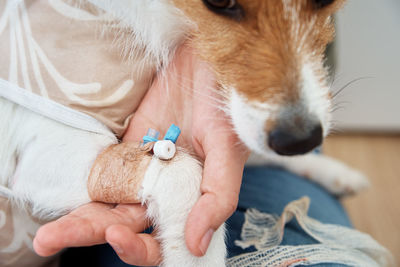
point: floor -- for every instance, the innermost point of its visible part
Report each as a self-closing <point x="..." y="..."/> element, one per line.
<point x="376" y="210"/>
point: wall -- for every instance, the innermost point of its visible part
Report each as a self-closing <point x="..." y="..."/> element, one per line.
<point x="368" y="45"/>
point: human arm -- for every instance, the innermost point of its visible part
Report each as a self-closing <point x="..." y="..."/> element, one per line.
<point x="186" y="95"/>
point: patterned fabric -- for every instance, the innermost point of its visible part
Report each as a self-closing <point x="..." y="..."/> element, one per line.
<point x="63" y="52"/>
<point x="17" y="230"/>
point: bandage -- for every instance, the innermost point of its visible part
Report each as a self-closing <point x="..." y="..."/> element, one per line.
<point x="118" y="172"/>
<point x="164" y="149"/>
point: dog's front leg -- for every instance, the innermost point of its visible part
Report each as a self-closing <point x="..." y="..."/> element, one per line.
<point x="129" y="173"/>
<point x="333" y="175"/>
<point x="44" y="163"/>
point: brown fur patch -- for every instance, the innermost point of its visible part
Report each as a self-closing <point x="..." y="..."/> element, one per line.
<point x="261" y="56"/>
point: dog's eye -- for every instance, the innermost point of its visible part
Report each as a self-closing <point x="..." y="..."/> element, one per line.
<point x="222" y="3"/>
<point x="322" y="3"/>
<point x="229" y="8"/>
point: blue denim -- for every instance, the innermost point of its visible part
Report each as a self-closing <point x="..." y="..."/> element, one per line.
<point x="267" y="189"/>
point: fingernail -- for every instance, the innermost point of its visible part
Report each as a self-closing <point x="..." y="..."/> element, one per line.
<point x="117" y="248"/>
<point x="205" y="241"/>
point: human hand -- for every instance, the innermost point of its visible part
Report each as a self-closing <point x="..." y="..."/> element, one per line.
<point x="93" y="224"/>
<point x="188" y="96"/>
<point x="185" y="95"/>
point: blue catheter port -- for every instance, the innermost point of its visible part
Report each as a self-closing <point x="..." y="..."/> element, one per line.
<point x="172" y="133"/>
<point x="151" y="136"/>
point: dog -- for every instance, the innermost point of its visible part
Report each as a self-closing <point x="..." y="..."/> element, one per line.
<point x="268" y="58"/>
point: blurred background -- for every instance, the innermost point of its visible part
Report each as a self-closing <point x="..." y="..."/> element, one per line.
<point x="366" y="133"/>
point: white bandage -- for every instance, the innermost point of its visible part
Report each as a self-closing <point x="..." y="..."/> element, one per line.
<point x="164" y="149"/>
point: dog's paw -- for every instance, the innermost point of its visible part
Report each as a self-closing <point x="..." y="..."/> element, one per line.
<point x="333" y="175"/>
<point x="347" y="181"/>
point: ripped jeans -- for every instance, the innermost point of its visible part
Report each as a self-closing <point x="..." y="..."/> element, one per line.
<point x="258" y="238"/>
<point x="268" y="191"/>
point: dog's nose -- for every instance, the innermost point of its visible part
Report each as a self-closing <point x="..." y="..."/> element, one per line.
<point x="286" y="142"/>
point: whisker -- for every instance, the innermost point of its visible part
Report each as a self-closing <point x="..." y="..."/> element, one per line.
<point x="335" y="128"/>
<point x="348" y="84"/>
<point x="340" y="105"/>
<point x="337" y="108"/>
<point x="336" y="131"/>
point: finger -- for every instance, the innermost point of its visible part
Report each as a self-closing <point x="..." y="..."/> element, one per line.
<point x="132" y="248"/>
<point x="216" y="142"/>
<point x="222" y="178"/>
<point x="86" y="226"/>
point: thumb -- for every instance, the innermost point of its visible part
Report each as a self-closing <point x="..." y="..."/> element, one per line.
<point x="222" y="177"/>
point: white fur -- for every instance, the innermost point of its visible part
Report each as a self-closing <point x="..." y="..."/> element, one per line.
<point x="331" y="174"/>
<point x="153" y="25"/>
<point x="249" y="120"/>
<point x="46" y="163"/>
<point x="170" y="189"/>
<point x="314" y="95"/>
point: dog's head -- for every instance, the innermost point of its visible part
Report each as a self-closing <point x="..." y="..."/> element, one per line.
<point x="268" y="57"/>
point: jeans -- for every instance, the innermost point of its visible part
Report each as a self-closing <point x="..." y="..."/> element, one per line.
<point x="267" y="189"/>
